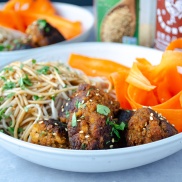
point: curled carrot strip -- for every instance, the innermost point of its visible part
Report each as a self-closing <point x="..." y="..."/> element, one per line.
<point x="175" y="44"/>
<point x="95" y="66"/>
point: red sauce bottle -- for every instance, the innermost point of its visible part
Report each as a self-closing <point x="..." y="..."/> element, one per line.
<point x="168" y="22"/>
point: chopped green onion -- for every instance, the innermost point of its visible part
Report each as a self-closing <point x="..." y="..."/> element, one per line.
<point x="74" y="120"/>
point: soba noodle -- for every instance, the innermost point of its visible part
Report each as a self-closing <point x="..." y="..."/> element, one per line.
<point x="32" y="91"/>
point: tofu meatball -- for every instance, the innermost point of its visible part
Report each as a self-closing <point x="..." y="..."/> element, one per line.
<point x="88" y="114"/>
<point x="50" y="133"/>
<point x="41" y="33"/>
<point x="147" y="126"/>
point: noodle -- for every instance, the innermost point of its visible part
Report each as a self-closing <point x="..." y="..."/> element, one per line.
<point x="31" y="92"/>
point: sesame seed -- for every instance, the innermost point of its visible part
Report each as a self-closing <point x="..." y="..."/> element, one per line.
<point x="83" y="101"/>
<point x="151" y="114"/>
<point x="66" y="129"/>
<point x="161" y="118"/>
<point x="66" y="104"/>
<point x="81" y="131"/>
<point x="55" y="123"/>
<point x="134" y="109"/>
<point x="78" y="119"/>
<point x="173" y="125"/>
<point x="144" y="106"/>
<point x="151" y="118"/>
<point x="159" y="114"/>
<point x="149" y="107"/>
<point x="62" y="110"/>
<point x="111" y="102"/>
<point x="54" y="134"/>
<point x="90" y="100"/>
<point x="146" y="124"/>
<point x="40" y="122"/>
<point x="111" y="146"/>
<point x="97" y="94"/>
<point x="144" y="128"/>
<point x="87" y="136"/>
<point x="112" y="140"/>
<point x="76" y="94"/>
<point x="97" y="89"/>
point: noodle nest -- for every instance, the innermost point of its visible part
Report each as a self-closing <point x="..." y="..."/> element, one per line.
<point x="32" y="91"/>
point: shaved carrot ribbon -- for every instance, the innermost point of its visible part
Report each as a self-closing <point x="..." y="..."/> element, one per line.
<point x="95" y="66"/>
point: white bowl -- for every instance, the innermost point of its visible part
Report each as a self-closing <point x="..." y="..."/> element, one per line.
<point x="98" y="160"/>
<point x="71" y="12"/>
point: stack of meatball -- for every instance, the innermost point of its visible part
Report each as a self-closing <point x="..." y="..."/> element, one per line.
<point x="92" y="120"/>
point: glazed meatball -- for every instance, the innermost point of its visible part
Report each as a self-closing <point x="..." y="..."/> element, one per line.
<point x="50" y="133"/>
<point x="41" y="33"/>
<point x="123" y="116"/>
<point x="89" y="114"/>
<point x="147" y="126"/>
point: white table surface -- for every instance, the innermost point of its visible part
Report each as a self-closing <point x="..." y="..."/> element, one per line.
<point x="15" y="169"/>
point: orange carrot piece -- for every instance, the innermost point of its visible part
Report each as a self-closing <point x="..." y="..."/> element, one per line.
<point x="138" y="97"/>
<point x="38" y="6"/>
<point x="95" y="66"/>
<point x="120" y="86"/>
<point x="137" y="79"/>
<point x="11" y="19"/>
<point x="175" y="44"/>
<point x="68" y="28"/>
<point x="173" y="116"/>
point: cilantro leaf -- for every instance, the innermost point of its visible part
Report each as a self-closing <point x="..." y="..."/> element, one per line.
<point x="9" y="85"/>
<point x="44" y="70"/>
<point x="104" y="110"/>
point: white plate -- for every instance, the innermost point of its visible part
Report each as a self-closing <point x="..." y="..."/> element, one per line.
<point x="68" y="11"/>
<point x="100" y="160"/>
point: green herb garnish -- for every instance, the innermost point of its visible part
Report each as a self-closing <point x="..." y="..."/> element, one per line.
<point x="116" y="127"/>
<point x="10" y="95"/>
<point x="67" y="114"/>
<point x="104" y="110"/>
<point x="8" y="68"/>
<point x="1" y="99"/>
<point x="2" y="131"/>
<point x="11" y="130"/>
<point x="20" y="130"/>
<point x="21" y="66"/>
<point x="83" y="146"/>
<point x="74" y="120"/>
<point x="26" y="109"/>
<point x="34" y="61"/>
<point x="47" y="29"/>
<point x="9" y="85"/>
<point x="88" y="93"/>
<point x="57" y="70"/>
<point x="23" y="82"/>
<point x="53" y="98"/>
<point x="42" y="24"/>
<point x="35" y="97"/>
<point x="3" y="78"/>
<point x="44" y="70"/>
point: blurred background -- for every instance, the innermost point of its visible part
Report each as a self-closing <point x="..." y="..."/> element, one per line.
<point x="77" y="2"/>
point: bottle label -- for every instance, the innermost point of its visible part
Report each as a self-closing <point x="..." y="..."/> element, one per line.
<point x="115" y="22"/>
<point x="168" y="22"/>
